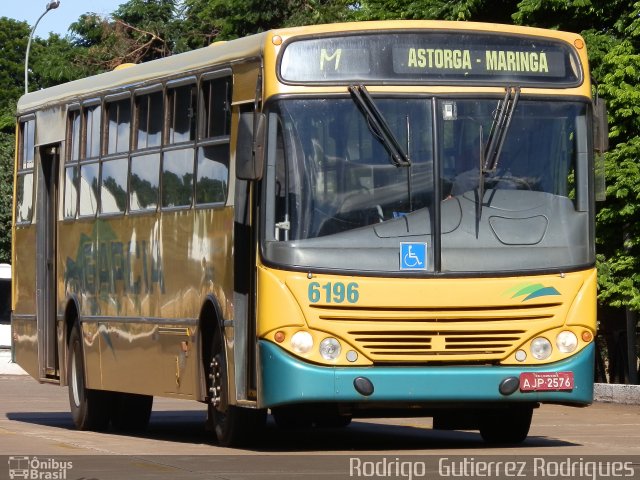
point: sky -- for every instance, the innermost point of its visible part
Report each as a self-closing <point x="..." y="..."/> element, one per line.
<point x="57" y="20"/>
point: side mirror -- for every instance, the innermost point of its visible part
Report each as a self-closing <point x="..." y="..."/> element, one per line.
<point x="250" y="146"/>
<point x="600" y="146"/>
<point x="600" y="126"/>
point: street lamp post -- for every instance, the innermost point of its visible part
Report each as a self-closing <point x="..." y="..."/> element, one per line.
<point x="53" y="4"/>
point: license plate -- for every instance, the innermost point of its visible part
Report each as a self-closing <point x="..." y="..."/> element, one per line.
<point x="546" y="381"/>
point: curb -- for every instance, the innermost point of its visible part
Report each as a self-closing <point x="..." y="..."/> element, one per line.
<point x="616" y="393"/>
<point x="7" y="367"/>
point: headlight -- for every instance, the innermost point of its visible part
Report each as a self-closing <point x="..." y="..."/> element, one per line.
<point x="330" y="348"/>
<point x="541" y="348"/>
<point x="567" y="341"/>
<point x="301" y="342"/>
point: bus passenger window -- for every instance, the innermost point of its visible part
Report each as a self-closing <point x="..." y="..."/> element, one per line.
<point x="70" y="202"/>
<point x="89" y="189"/>
<point x="119" y="122"/>
<point x="182" y="113"/>
<point x="213" y="174"/>
<point x="24" y="199"/>
<point x="144" y="186"/>
<point x="177" y="178"/>
<point x="92" y="117"/>
<point x="213" y="152"/>
<point x="27" y="149"/>
<point x="149" y="110"/>
<point x="70" y="191"/>
<point x="216" y="101"/>
<point x="113" y="189"/>
<point x="25" y="187"/>
<point x="73" y="129"/>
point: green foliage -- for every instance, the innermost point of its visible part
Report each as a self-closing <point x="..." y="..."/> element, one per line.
<point x="206" y="21"/>
<point x="56" y="60"/>
<point x="13" y="45"/>
<point x="6" y="195"/>
<point x="138" y="31"/>
<point x="619" y="230"/>
<point x="213" y="20"/>
<point x="621" y="77"/>
<point x="498" y="11"/>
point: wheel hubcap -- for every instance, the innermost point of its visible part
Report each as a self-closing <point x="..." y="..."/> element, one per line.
<point x="75" y="390"/>
<point x="216" y="388"/>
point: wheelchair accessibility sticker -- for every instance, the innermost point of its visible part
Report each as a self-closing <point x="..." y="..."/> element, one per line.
<point x="413" y="256"/>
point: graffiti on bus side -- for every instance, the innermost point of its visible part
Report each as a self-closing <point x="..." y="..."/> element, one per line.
<point x="105" y="265"/>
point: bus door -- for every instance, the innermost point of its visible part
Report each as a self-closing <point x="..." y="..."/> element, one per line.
<point x="47" y="187"/>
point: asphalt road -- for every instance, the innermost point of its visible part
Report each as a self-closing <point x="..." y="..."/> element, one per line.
<point x="35" y="422"/>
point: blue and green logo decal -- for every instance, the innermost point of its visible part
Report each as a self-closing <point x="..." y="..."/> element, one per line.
<point x="531" y="290"/>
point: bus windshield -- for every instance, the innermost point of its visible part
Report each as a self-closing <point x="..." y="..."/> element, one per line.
<point x="336" y="200"/>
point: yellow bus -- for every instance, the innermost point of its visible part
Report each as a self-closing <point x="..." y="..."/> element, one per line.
<point x="319" y="223"/>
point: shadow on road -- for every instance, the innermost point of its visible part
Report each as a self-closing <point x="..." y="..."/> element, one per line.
<point x="187" y="427"/>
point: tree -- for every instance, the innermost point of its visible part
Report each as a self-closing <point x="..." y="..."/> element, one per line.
<point x="138" y="31"/>
<point x="213" y="20"/>
<point x="13" y="45"/>
<point x="6" y="195"/>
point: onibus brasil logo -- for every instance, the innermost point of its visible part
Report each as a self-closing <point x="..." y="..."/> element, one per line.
<point x="33" y="468"/>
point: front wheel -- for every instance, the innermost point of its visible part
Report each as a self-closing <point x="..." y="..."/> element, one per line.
<point x="506" y="427"/>
<point x="90" y="409"/>
<point x="234" y="426"/>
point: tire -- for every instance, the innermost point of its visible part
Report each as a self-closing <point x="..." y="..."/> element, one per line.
<point x="131" y="412"/>
<point x="506" y="427"/>
<point x="90" y="409"/>
<point x="234" y="426"/>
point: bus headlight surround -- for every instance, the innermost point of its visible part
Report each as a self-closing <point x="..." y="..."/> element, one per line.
<point x="302" y="342"/>
<point x="330" y="348"/>
<point x="541" y="348"/>
<point x="566" y="341"/>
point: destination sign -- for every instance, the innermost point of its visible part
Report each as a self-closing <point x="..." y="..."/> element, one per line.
<point x="431" y="58"/>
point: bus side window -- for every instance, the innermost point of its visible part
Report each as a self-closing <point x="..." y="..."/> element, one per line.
<point x="113" y="187"/>
<point x="149" y="109"/>
<point x="144" y="182"/>
<point x="92" y="116"/>
<point x="181" y="113"/>
<point x="144" y="185"/>
<point x="118" y="126"/>
<point x="70" y="205"/>
<point x="178" y="164"/>
<point x="25" y="187"/>
<point x="212" y="177"/>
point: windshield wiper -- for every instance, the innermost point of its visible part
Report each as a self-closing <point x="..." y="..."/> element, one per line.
<point x="490" y="152"/>
<point x="499" y="128"/>
<point x="378" y="125"/>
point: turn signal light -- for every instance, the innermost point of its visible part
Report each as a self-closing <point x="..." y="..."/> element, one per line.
<point x="587" y="336"/>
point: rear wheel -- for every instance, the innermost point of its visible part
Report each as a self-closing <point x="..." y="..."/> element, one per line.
<point x="234" y="426"/>
<point x="509" y="426"/>
<point x="90" y="409"/>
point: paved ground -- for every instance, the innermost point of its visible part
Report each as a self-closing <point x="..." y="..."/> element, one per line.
<point x="35" y="423"/>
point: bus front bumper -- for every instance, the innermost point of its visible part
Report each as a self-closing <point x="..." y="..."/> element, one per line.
<point x="287" y="380"/>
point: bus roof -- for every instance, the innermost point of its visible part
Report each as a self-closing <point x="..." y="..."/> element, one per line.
<point x="144" y="73"/>
<point x="243" y="48"/>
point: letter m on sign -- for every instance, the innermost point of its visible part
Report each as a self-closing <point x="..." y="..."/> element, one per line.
<point x="333" y="58"/>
